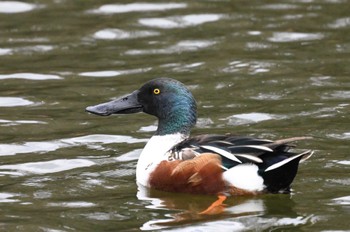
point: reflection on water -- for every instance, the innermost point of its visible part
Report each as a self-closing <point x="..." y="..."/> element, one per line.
<point x="266" y="69"/>
<point x="240" y="213"/>
<point x="186" y="210"/>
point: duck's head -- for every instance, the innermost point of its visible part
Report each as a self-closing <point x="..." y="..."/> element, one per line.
<point x="167" y="99"/>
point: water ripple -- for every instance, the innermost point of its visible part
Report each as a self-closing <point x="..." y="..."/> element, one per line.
<point x="47" y="146"/>
<point x="117" y="34"/>
<point x="257" y="46"/>
<point x="113" y="73"/>
<point x="345" y="135"/>
<point x="150" y="128"/>
<point x="19" y="122"/>
<point x="14" y="101"/>
<point x="321" y="81"/>
<point x="180" y="21"/>
<point x="337" y="95"/>
<point x="74" y="204"/>
<point x="340" y="23"/>
<point x="322" y="112"/>
<point x="26" y="50"/>
<point x="129" y="156"/>
<point x="11" y="7"/>
<point x="240" y="119"/>
<point x="182" y="46"/>
<point x="102" y="216"/>
<point x="51" y="166"/>
<point x="5" y="51"/>
<point x="137" y="7"/>
<point x="252" y="67"/>
<point x="279" y="6"/>
<point x="267" y="96"/>
<point x="6" y="197"/>
<point x="343" y="162"/>
<point x="204" y="123"/>
<point x="187" y="67"/>
<point x="102" y="138"/>
<point x="342" y="200"/>
<point x="282" y="37"/>
<point x="34" y="48"/>
<point x="30" y="76"/>
<point x="42" y="194"/>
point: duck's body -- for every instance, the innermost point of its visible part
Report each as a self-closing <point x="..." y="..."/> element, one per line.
<point x="206" y="164"/>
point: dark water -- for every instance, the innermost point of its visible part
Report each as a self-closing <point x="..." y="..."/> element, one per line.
<point x="271" y="69"/>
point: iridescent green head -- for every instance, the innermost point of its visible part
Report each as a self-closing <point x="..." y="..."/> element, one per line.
<point x="167" y="99"/>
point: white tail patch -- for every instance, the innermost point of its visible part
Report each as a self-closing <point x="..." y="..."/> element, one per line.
<point x="222" y="152"/>
<point x="244" y="176"/>
<point x="250" y="157"/>
<point x="283" y="162"/>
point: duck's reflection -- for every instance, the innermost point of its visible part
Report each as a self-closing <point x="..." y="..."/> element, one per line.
<point x="185" y="208"/>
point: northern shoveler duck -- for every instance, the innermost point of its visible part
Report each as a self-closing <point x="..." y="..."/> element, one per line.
<point x="204" y="164"/>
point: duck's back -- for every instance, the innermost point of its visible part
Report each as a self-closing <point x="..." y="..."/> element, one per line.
<point x="214" y="164"/>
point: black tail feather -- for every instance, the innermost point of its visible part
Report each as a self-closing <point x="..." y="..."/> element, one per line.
<point x="279" y="179"/>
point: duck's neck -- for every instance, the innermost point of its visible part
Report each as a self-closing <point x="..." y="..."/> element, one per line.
<point x="153" y="153"/>
<point x="178" y="118"/>
<point x="174" y="124"/>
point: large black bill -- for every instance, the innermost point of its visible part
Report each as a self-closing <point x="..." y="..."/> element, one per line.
<point x="124" y="105"/>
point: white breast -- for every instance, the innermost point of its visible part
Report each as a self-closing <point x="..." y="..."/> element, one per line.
<point x="153" y="153"/>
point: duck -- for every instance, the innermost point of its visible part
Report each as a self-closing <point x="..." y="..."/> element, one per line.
<point x="223" y="165"/>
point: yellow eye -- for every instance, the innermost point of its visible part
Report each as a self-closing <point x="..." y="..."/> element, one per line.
<point x="156" y="91"/>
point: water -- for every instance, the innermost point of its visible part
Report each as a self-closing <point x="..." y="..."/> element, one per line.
<point x="267" y="69"/>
